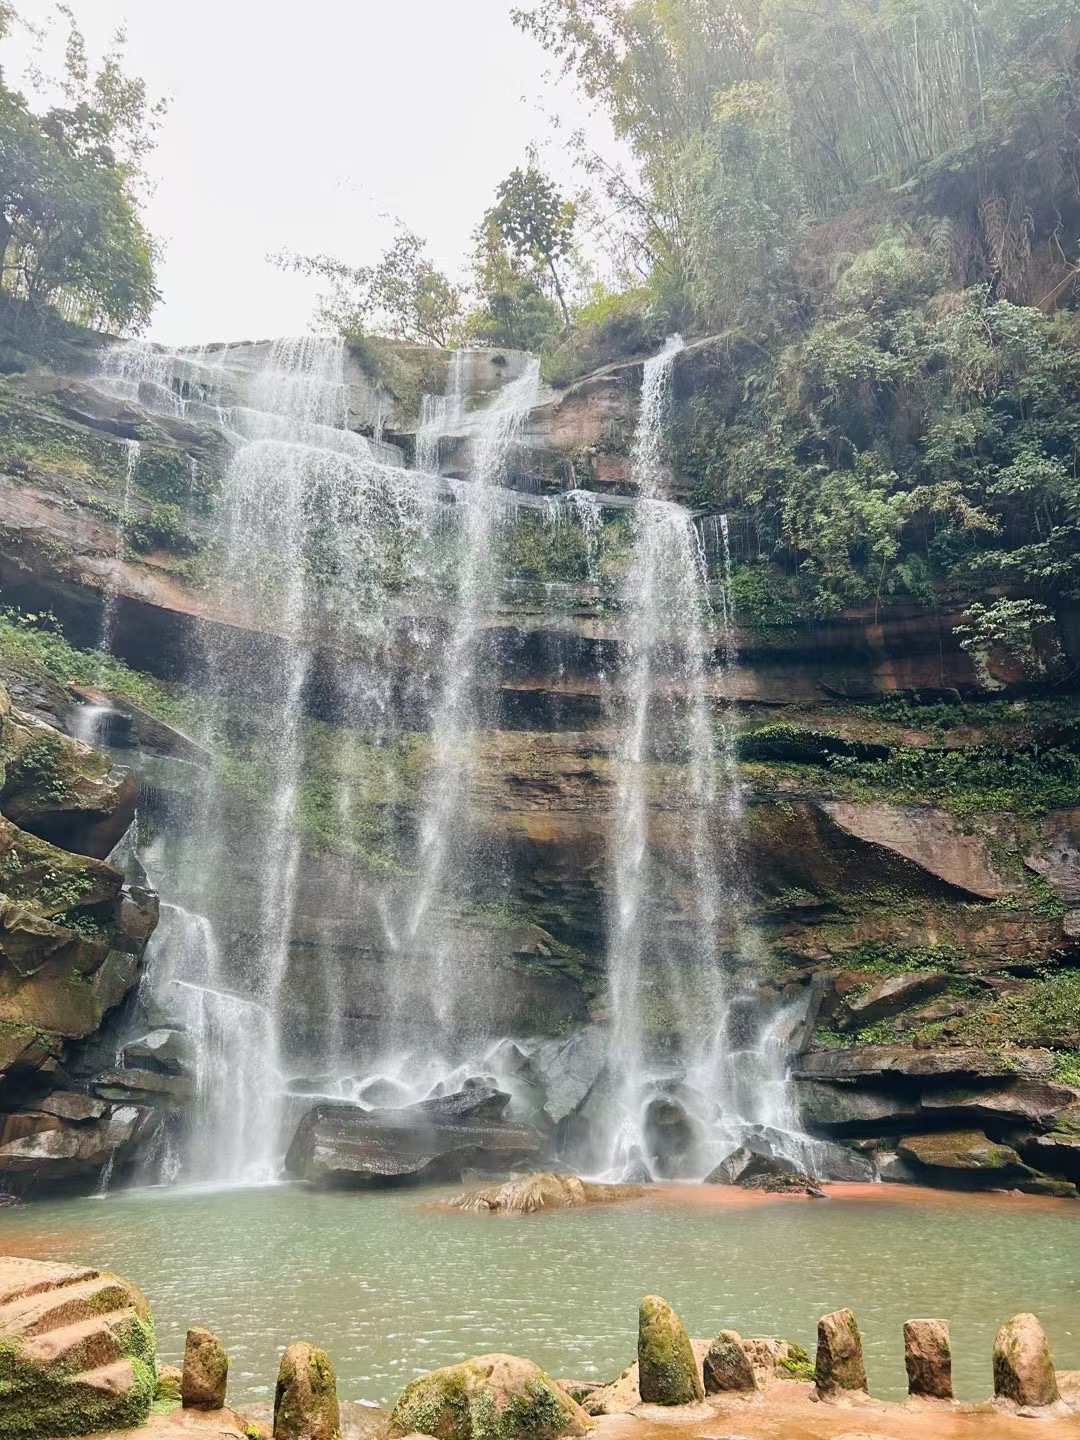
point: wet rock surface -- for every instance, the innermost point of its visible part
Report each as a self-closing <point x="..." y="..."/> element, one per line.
<point x="491" y="1394"/>
<point x="668" y="1370"/>
<point x="438" y="1139"/>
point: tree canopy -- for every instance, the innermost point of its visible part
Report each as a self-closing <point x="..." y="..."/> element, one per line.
<point x="71" y="179"/>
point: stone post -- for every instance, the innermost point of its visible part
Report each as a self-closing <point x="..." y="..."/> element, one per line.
<point x="928" y="1358"/>
<point x="305" y="1402"/>
<point x="668" y="1372"/>
<point x="1023" y="1365"/>
<point x="206" y="1371"/>
<point x="839" y="1362"/>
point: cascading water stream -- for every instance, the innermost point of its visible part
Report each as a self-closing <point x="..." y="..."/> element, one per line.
<point x="457" y="714"/>
<point x="688" y="1054"/>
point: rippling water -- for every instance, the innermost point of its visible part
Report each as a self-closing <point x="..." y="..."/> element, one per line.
<point x="391" y="1289"/>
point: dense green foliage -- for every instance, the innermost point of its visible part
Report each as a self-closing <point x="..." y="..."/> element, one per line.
<point x="876" y="204"/>
<point x="71" y="238"/>
<point x="914" y="444"/>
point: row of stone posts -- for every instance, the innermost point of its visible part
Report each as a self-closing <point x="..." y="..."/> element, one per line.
<point x="1023" y="1365"/>
<point x="305" y="1399"/>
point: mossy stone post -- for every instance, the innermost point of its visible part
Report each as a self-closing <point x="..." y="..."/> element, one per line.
<point x="839" y="1363"/>
<point x="305" y="1401"/>
<point x="1023" y="1364"/>
<point x="667" y="1370"/>
<point x="928" y="1358"/>
<point x="206" y="1371"/>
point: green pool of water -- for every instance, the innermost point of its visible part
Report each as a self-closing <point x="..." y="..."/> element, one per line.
<point x="392" y="1289"/>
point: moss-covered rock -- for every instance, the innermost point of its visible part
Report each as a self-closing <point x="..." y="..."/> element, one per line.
<point x="839" y="1362"/>
<point x="206" y="1371"/>
<point x="668" y="1373"/>
<point x="1023" y="1365"/>
<point x="727" y="1365"/>
<point x="305" y="1401"/>
<point x="76" y="1352"/>
<point x="492" y="1397"/>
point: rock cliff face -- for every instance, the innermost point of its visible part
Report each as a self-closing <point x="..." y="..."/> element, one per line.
<point x="72" y="936"/>
<point x="909" y="844"/>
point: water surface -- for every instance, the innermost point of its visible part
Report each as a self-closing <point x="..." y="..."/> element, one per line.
<point x="391" y="1288"/>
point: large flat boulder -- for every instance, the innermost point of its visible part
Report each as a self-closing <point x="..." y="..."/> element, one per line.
<point x="966" y="1156"/>
<point x="1025" y="1102"/>
<point x="76" y="1351"/>
<point x="871" y="1063"/>
<point x="890" y="995"/>
<point x="439" y="1139"/>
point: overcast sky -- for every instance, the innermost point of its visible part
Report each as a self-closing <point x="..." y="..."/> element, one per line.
<point x="304" y="126"/>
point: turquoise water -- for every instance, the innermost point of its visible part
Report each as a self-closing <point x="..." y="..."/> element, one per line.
<point x="391" y="1289"/>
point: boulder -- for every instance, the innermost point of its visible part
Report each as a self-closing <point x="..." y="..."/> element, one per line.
<point x="60" y="789"/>
<point x="774" y="1359"/>
<point x="668" y="1372"/>
<point x="165" y="1051"/>
<point x="305" y="1400"/>
<point x="727" y="1365"/>
<point x="439" y="1139"/>
<point x="76" y="1351"/>
<point x="755" y="1166"/>
<point x="839" y="1362"/>
<point x="569" y="1069"/>
<point x="168" y="1391"/>
<point x="491" y="1395"/>
<point x="928" y="1358"/>
<point x="1058" y="1150"/>
<point x="831" y="1161"/>
<point x="547" y="1191"/>
<point x="672" y="1138"/>
<point x="54" y="1151"/>
<point x="890" y="995"/>
<point x="72" y="1105"/>
<point x="965" y="1155"/>
<point x="206" y="1371"/>
<point x="1023" y="1365"/>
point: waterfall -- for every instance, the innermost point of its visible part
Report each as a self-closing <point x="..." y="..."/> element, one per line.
<point x="123" y="522"/>
<point x="354" y="632"/>
<point x="456" y="715"/>
<point x="233" y="1049"/>
<point x="689" y="1054"/>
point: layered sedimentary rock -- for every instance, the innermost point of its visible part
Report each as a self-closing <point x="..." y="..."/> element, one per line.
<point x="890" y="925"/>
<point x="72" y="936"/>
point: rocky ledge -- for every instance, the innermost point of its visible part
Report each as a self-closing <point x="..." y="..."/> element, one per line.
<point x="73" y="929"/>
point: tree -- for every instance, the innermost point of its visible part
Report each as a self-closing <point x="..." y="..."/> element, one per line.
<point x="512" y="308"/>
<point x="536" y="223"/>
<point x="403" y="295"/>
<point x="71" y="237"/>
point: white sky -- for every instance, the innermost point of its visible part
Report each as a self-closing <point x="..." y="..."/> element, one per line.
<point x="303" y="126"/>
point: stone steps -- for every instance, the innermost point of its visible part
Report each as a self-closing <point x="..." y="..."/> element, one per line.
<point x="37" y="1314"/>
<point x="82" y="1359"/>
